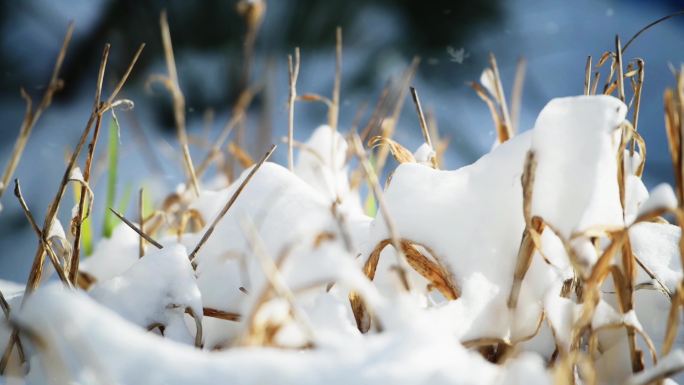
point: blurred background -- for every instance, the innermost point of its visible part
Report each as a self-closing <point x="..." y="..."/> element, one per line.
<point x="453" y="39"/>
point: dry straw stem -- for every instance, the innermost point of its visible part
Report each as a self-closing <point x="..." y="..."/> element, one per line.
<point x="501" y="97"/>
<point x="220" y="314"/>
<point x="356" y="120"/>
<point x="343" y="229"/>
<point x="4" y="305"/>
<point x="389" y="124"/>
<point x="674" y="124"/>
<point x="626" y="130"/>
<point x="253" y="13"/>
<point x="649" y="25"/>
<point x="141" y="221"/>
<point x="228" y="205"/>
<point x="241" y="155"/>
<point x="378" y="112"/>
<point x="198" y="326"/>
<point x="672" y="322"/>
<point x="661" y="286"/>
<point x="439" y="276"/>
<point x="587" y="76"/>
<point x="334" y="110"/>
<point x="7" y="353"/>
<point x="399" y="152"/>
<point x="574" y="363"/>
<point x="258" y="333"/>
<point x="441" y="143"/>
<point x="625" y="286"/>
<point x="78" y="220"/>
<point x="187" y="216"/>
<point x="20" y="348"/>
<point x="276" y="283"/>
<point x="389" y="222"/>
<point x="516" y="95"/>
<point x="315" y="98"/>
<point x="41" y="236"/>
<point x="624" y="290"/>
<point x="421" y="118"/>
<point x="620" y="73"/>
<point x="360" y="313"/>
<point x="503" y="133"/>
<point x="171" y="82"/>
<point x="591" y="285"/>
<point x="136" y="229"/>
<point x="238" y="116"/>
<point x="37" y="267"/>
<point x="594" y="87"/>
<point x="293" y="74"/>
<point x="638" y="86"/>
<point x="32" y="116"/>
<point x="594" y="340"/>
<point x="533" y="227"/>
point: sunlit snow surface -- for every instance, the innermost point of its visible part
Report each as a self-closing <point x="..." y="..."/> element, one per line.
<point x="310" y="225"/>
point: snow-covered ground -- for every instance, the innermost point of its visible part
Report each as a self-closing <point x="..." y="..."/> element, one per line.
<point x="287" y="263"/>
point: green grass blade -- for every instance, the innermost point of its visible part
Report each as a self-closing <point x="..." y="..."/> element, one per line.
<point x="87" y="236"/>
<point x="147" y="205"/>
<point x="370" y="206"/>
<point x="86" y="228"/>
<point x="110" y="220"/>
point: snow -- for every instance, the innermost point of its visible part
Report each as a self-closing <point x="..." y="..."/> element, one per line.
<point x="412" y="357"/>
<point x="157" y="289"/>
<point x="288" y="255"/>
<point x="289" y="215"/>
<point x="661" y="197"/>
<point x="428" y="206"/>
<point x="574" y="140"/>
<point x="657" y="246"/>
<point x="671" y="362"/>
<point x="112" y="256"/>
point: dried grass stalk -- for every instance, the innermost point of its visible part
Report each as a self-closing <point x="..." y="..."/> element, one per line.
<point x="198" y="326"/>
<point x="228" y="205"/>
<point x="500" y="96"/>
<point x="587" y="76"/>
<point x="136" y="229"/>
<point x="620" y="73"/>
<point x="39" y="258"/>
<point x="672" y="322"/>
<point x="388" y="124"/>
<point x="171" y="82"/>
<point x="220" y="314"/>
<point x="241" y="155"/>
<point x="78" y="220"/>
<point x="438" y="276"/>
<point x="399" y="152"/>
<point x="516" y="95"/>
<point x="31" y="117"/>
<point x="141" y="221"/>
<point x="334" y="110"/>
<point x="263" y="334"/>
<point x="293" y="72"/>
<point x="501" y="130"/>
<point x="42" y="237"/>
<point x="421" y="117"/>
<point x="239" y="112"/>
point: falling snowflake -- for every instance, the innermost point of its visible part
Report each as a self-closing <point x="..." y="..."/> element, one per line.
<point x="457" y="55"/>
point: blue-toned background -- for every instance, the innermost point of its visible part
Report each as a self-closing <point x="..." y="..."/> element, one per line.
<point x="380" y="38"/>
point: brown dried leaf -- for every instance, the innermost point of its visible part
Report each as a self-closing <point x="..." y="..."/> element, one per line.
<point x="400" y="153"/>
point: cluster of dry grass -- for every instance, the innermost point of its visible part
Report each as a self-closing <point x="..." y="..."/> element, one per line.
<point x="623" y="79"/>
